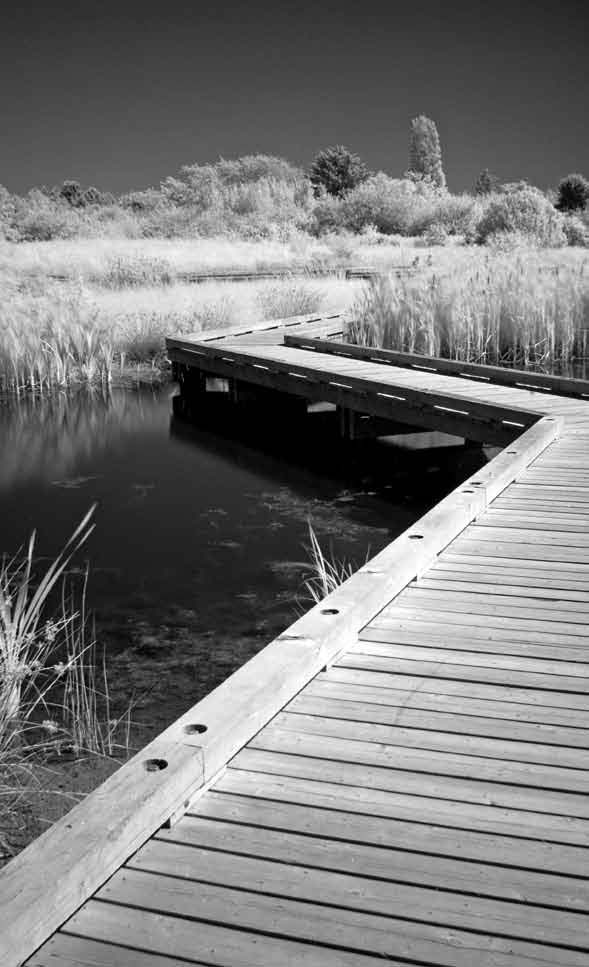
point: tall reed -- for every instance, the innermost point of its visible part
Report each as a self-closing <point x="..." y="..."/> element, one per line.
<point x="527" y="308"/>
<point x="327" y="572"/>
<point x="28" y="640"/>
<point x="53" y="689"/>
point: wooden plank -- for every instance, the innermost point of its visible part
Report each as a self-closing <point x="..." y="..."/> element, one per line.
<point x="429" y="634"/>
<point x="563" y="493"/>
<point x="530" y="567"/>
<point x="217" y="945"/>
<point x="355" y="892"/>
<point x="521" y="520"/>
<point x="518" y="607"/>
<point x="318" y="717"/>
<point x="446" y="655"/>
<point x="447" y="695"/>
<point x="522" y="552"/>
<point x="509" y="629"/>
<point x="306" y="781"/>
<point x="334" y="927"/>
<point x="486" y="582"/>
<point x="569" y="617"/>
<point x="527" y="536"/>
<point x="369" y="705"/>
<point x="300" y="829"/>
<point x="570" y="508"/>
<point x="557" y="702"/>
<point x="562" y="685"/>
<point x="66" y="950"/>
<point x="374" y="802"/>
<point x="549" y="778"/>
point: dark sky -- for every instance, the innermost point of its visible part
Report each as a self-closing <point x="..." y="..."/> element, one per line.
<point x="119" y="95"/>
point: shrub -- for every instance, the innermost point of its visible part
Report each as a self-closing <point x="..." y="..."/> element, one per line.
<point x="336" y="170"/>
<point x="525" y="211"/>
<point x="44" y="224"/>
<point x="436" y="235"/>
<point x="387" y="203"/>
<point x="573" y="193"/>
<point x="454" y="214"/>
<point x="486" y="183"/>
<point x="576" y="231"/>
<point x="327" y="215"/>
<point x="255" y="167"/>
<point x="71" y="192"/>
<point x="508" y="187"/>
<point x="145" y="201"/>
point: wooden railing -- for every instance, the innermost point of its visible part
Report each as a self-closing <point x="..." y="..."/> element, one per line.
<point x="500" y="375"/>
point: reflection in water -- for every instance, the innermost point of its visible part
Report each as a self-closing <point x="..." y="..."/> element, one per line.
<point x="46" y="437"/>
<point x="197" y="559"/>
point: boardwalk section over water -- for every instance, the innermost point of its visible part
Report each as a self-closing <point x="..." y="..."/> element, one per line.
<point x="400" y="776"/>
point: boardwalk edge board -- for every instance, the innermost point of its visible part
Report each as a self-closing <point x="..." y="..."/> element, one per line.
<point x="43" y="886"/>
<point x="499" y="375"/>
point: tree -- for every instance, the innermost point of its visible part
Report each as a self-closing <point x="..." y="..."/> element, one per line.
<point x="573" y="193"/>
<point x="425" y="153"/>
<point x="337" y="170"/>
<point x="486" y="183"/>
<point x="71" y="191"/>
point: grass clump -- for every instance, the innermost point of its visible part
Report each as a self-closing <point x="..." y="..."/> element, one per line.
<point x="53" y="690"/>
<point x="48" y="678"/>
<point x="288" y="299"/>
<point x="327" y="571"/>
<point x="523" y="307"/>
<point x="131" y="271"/>
<point x="50" y="336"/>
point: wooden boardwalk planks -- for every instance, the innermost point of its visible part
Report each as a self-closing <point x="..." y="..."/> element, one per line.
<point x="422" y="797"/>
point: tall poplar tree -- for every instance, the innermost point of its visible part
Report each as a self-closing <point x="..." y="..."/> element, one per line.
<point x="425" y="153"/>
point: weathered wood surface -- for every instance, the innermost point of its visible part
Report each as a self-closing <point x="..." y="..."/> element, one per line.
<point x="416" y="399"/>
<point x="407" y="767"/>
<point x="501" y="375"/>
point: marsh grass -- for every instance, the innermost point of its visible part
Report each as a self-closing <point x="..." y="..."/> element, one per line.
<point x="327" y="571"/>
<point x="54" y="695"/>
<point x="50" y="337"/>
<point x="51" y="683"/>
<point x="132" y="271"/>
<point x="289" y="299"/>
<point x="61" y="335"/>
<point x="108" y="323"/>
<point x="526" y="308"/>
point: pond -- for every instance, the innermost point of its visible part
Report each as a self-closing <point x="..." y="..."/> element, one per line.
<point x="198" y="557"/>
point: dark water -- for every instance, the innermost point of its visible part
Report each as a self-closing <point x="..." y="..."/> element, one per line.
<point x="198" y="556"/>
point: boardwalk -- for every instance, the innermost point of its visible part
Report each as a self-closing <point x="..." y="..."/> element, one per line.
<point x="401" y="776"/>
